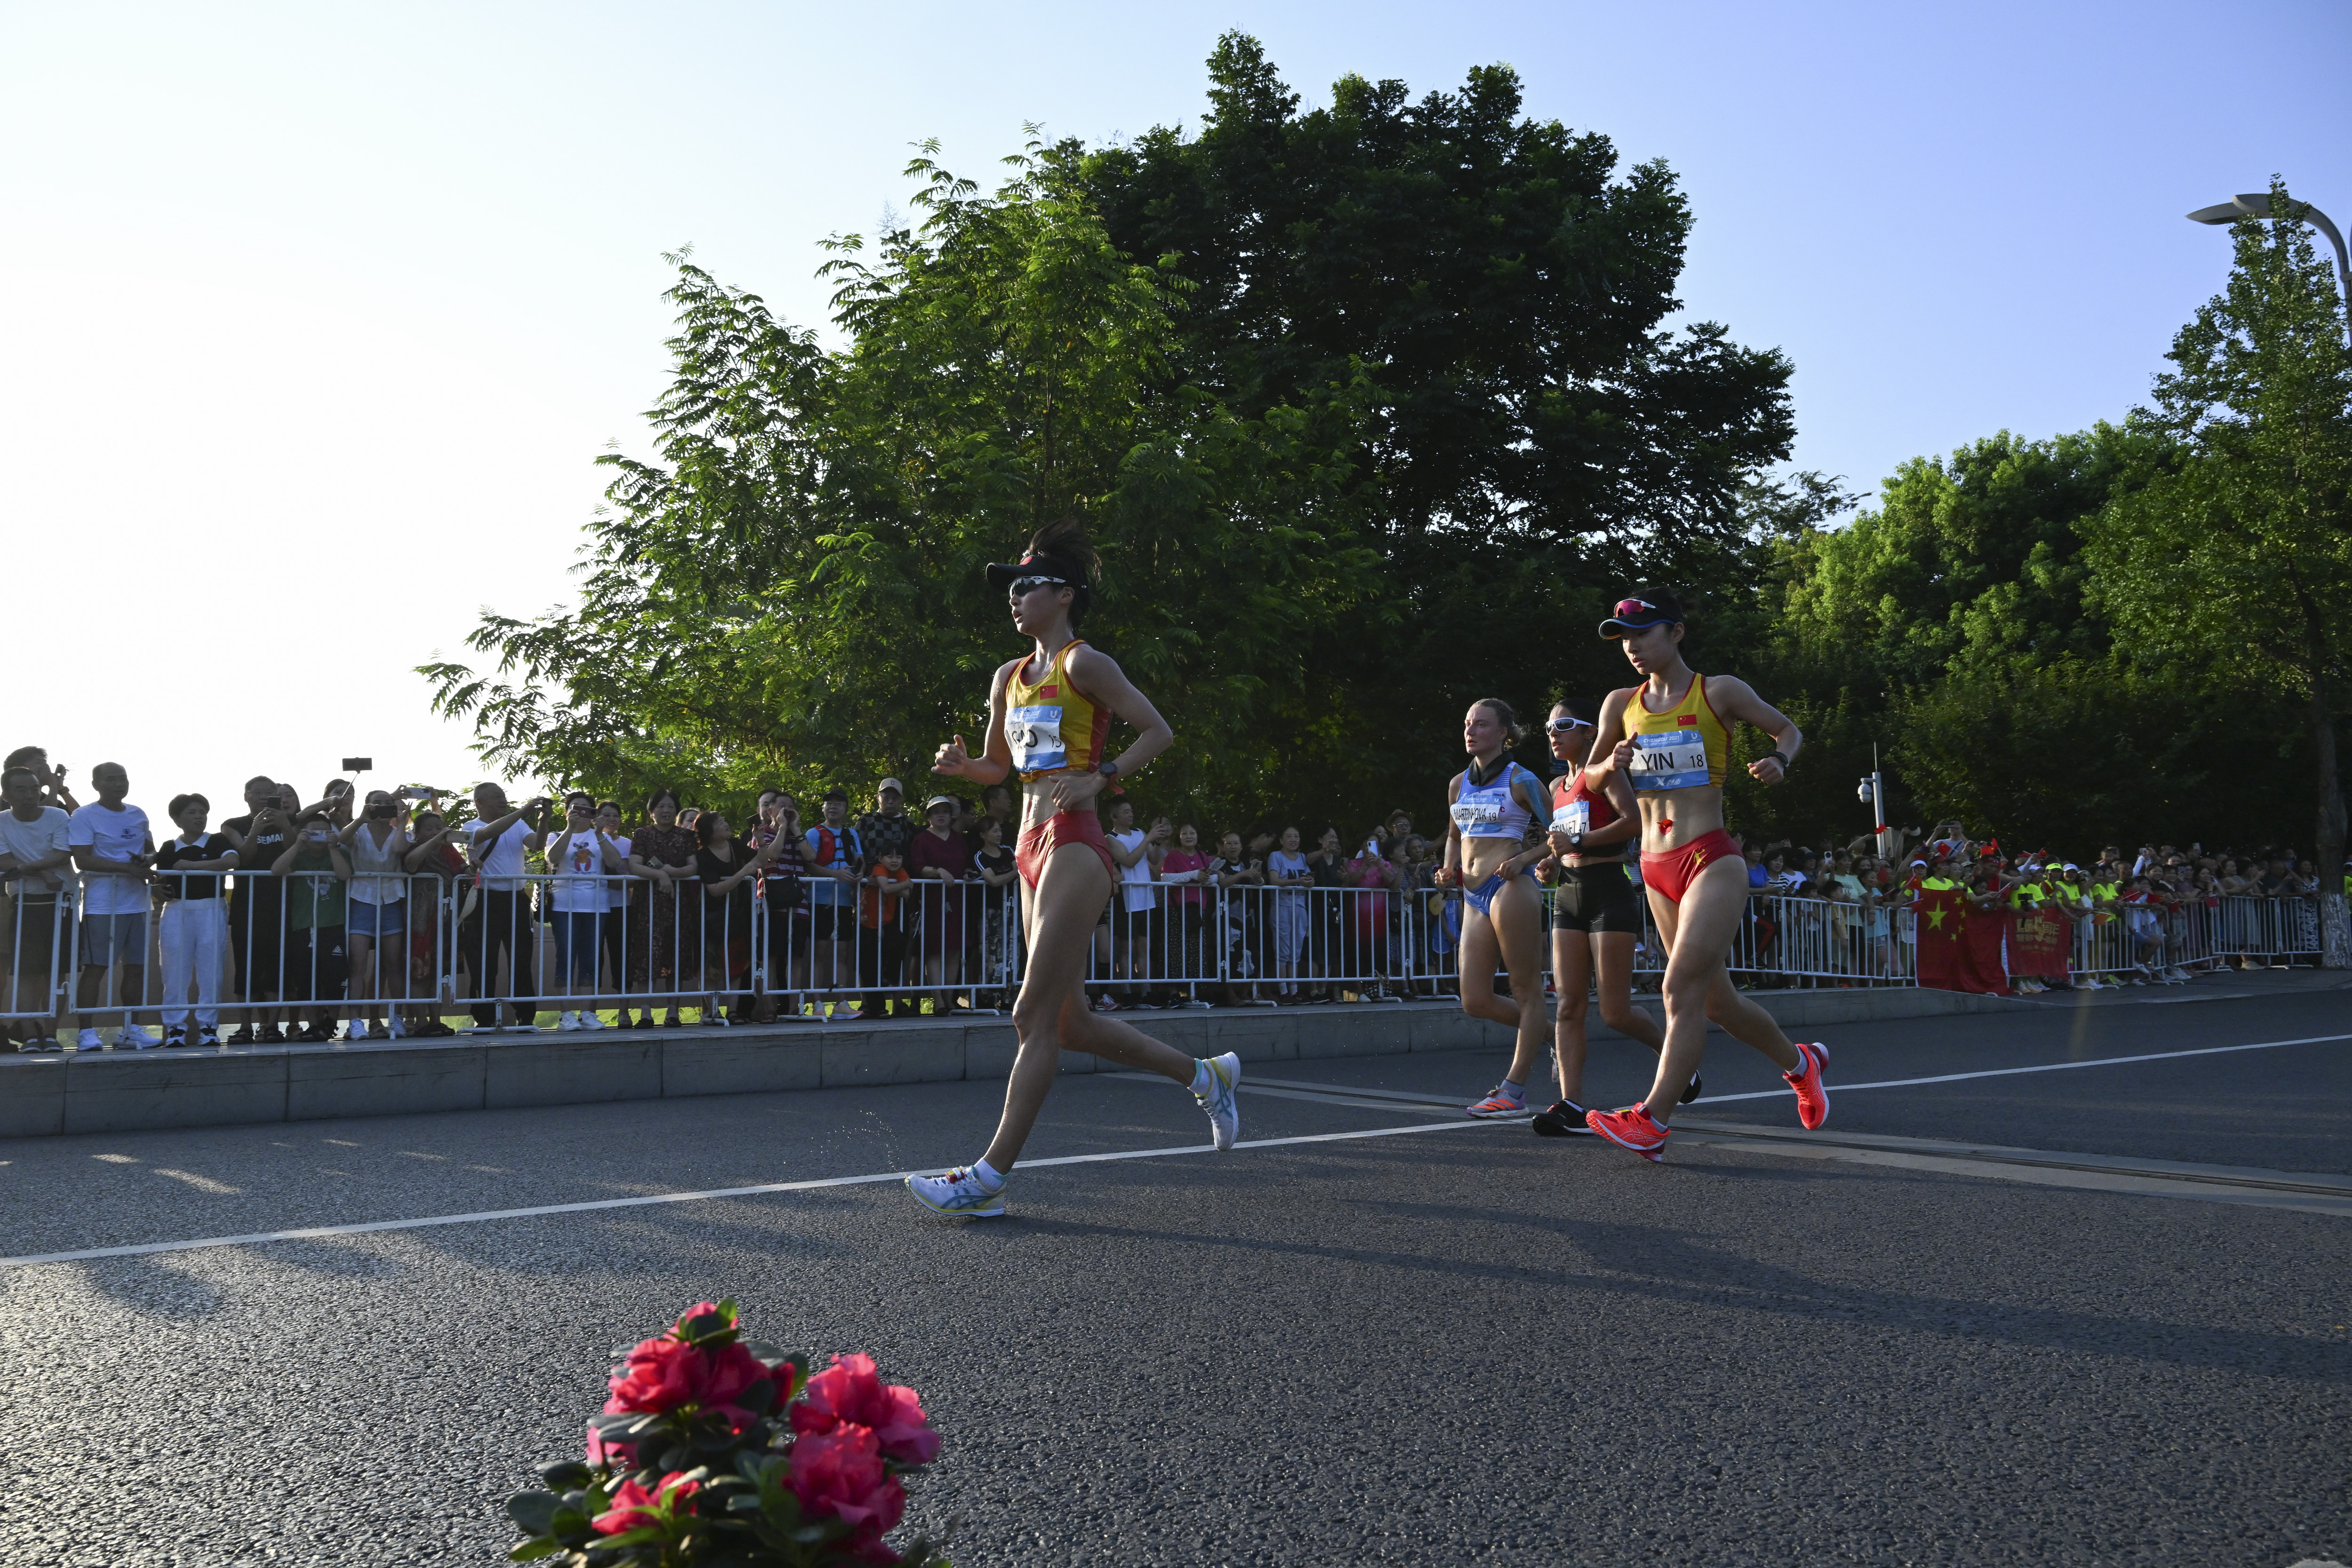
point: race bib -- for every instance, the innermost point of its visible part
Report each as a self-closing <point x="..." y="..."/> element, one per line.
<point x="1576" y="817"/>
<point x="1471" y="815"/>
<point x="1676" y="760"/>
<point x="1036" y="736"/>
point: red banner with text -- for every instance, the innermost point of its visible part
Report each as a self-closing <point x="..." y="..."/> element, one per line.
<point x="2038" y="942"/>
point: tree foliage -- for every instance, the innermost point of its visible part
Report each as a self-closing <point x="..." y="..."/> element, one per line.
<point x="1369" y="408"/>
<point x="793" y="588"/>
<point x="1374" y="408"/>
<point x="2237" y="551"/>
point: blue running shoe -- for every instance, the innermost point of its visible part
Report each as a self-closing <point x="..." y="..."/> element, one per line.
<point x="960" y="1193"/>
<point x="1223" y="1102"/>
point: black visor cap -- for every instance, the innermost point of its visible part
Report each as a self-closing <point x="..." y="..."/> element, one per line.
<point x="1001" y="575"/>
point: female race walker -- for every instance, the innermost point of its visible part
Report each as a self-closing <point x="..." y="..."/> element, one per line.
<point x="1670" y="737"/>
<point x="1594" y="919"/>
<point x="1048" y="715"/>
<point x="1487" y="856"/>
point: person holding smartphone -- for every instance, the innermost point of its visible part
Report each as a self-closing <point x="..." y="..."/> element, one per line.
<point x="316" y="871"/>
<point x="256" y="909"/>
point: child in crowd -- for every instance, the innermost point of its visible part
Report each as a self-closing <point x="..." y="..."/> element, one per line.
<point x="883" y="954"/>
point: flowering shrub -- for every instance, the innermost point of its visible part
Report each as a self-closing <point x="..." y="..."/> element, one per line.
<point x="713" y="1453"/>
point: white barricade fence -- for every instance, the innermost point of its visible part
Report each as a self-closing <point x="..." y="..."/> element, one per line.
<point x="39" y="947"/>
<point x="2283" y="932"/>
<point x="297" y="955"/>
<point x="1824" y="941"/>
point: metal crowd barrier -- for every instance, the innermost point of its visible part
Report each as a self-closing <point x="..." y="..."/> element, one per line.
<point x="268" y="959"/>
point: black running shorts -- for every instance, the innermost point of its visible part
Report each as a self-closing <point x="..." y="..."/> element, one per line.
<point x="1596" y="899"/>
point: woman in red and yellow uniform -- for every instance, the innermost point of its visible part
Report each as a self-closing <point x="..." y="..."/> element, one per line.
<point x="1670" y="738"/>
<point x="1049" y="715"/>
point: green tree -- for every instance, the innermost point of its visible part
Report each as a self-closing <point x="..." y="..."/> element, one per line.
<point x="794" y="590"/>
<point x="1536" y="440"/>
<point x="1371" y="409"/>
<point x="2237" y="549"/>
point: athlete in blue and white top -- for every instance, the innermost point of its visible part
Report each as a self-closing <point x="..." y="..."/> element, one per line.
<point x="1493" y="803"/>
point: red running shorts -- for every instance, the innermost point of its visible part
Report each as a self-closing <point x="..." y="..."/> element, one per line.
<point x="1673" y="871"/>
<point x="1040" y="840"/>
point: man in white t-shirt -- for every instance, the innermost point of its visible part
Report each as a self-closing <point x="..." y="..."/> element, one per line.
<point x="504" y="922"/>
<point x="114" y="851"/>
<point x="1133" y="902"/>
<point x="35" y="865"/>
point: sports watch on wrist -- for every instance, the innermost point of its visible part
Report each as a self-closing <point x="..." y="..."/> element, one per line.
<point x="1108" y="768"/>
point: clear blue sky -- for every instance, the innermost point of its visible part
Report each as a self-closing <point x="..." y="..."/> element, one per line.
<point x="311" y="319"/>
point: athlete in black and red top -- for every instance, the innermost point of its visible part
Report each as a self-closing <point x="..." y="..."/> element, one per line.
<point x="1595" y="920"/>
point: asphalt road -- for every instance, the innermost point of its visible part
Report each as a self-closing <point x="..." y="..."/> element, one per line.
<point x="1461" y="1344"/>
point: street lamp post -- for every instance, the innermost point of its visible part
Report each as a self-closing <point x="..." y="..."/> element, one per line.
<point x="2258" y="206"/>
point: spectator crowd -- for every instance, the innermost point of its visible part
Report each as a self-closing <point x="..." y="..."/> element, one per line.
<point x="380" y="914"/>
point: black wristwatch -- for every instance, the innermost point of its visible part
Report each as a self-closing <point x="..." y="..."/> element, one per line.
<point x="1777" y="755"/>
<point x="1108" y="768"/>
<point x="1576" y="843"/>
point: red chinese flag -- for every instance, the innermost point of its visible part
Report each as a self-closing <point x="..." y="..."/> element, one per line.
<point x="1953" y="943"/>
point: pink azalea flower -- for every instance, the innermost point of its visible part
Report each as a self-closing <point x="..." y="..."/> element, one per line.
<point x="662" y="1374"/>
<point x="840" y="1473"/>
<point x="851" y="1391"/>
<point x="632" y="1502"/>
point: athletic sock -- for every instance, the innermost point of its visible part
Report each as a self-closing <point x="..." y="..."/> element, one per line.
<point x="1202" y="1077"/>
<point x="991" y="1178"/>
<point x="1510" y="1091"/>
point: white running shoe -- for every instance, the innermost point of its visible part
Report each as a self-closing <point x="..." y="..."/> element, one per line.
<point x="1195" y="1004"/>
<point x="88" y="1040"/>
<point x="569" y="1021"/>
<point x="358" y="1031"/>
<point x="959" y="1193"/>
<point x="1223" y="1102"/>
<point x="395" y="1030"/>
<point x="137" y="1038"/>
<point x="590" y="1021"/>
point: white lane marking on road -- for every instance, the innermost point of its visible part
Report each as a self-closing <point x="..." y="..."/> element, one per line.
<point x="1837" y="1087"/>
<point x="148" y="1249"/>
<point x="202" y="1184"/>
<point x="1342" y="1096"/>
<point x="2144" y="1184"/>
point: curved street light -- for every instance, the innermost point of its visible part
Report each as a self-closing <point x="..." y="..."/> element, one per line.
<point x="2258" y="206"/>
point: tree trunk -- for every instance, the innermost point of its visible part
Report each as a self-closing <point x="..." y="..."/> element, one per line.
<point x="2335" y="925"/>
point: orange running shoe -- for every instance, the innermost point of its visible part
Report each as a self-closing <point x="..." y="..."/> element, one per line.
<point x="1632" y="1128"/>
<point x="1812" y="1095"/>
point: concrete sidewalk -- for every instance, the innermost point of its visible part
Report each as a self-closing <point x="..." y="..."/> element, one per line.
<point x="113" y="1091"/>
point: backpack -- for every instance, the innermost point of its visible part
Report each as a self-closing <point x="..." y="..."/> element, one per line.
<point x="828" y="847"/>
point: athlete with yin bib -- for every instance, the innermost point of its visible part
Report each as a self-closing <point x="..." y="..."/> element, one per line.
<point x="1670" y="737"/>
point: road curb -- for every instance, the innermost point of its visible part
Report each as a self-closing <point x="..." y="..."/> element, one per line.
<point x="120" y="1092"/>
